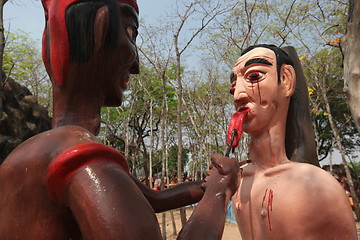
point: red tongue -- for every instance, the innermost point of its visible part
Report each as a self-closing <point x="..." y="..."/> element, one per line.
<point x="236" y="123"/>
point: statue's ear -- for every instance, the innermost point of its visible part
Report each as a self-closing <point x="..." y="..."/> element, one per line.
<point x="101" y="27"/>
<point x="288" y="79"/>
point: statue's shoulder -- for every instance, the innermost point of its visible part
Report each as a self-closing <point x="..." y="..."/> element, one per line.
<point x="316" y="182"/>
<point x="305" y="172"/>
<point x="71" y="133"/>
<point x="316" y="202"/>
<point x="47" y="145"/>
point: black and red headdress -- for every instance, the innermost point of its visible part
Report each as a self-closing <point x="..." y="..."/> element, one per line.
<point x="55" y="39"/>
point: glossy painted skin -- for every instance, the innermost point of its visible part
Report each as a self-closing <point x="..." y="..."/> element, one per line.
<point x="100" y="201"/>
<point x="276" y="198"/>
<point x="102" y="79"/>
<point x="208" y="218"/>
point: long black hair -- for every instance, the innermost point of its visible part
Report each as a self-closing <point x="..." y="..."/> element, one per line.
<point x="80" y="18"/>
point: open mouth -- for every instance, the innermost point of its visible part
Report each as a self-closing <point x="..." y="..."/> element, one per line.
<point x="247" y="109"/>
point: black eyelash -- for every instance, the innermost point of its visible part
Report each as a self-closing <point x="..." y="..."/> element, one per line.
<point x="232" y="75"/>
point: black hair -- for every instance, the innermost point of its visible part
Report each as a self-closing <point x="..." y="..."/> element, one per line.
<point x="281" y="56"/>
<point x="80" y="18"/>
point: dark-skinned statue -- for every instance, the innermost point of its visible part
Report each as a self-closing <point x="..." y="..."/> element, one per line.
<point x="65" y="184"/>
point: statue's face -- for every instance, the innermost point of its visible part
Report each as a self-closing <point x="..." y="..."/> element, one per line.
<point x="123" y="61"/>
<point x="255" y="85"/>
<point x="105" y="75"/>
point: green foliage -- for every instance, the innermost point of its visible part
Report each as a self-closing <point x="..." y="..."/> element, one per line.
<point x="325" y="67"/>
<point x="132" y="120"/>
<point x="172" y="160"/>
<point x="23" y="62"/>
<point x="356" y="167"/>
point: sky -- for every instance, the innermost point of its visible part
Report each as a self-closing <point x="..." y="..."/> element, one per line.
<point x="28" y="15"/>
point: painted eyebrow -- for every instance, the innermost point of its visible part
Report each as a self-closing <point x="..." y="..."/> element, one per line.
<point x="257" y="60"/>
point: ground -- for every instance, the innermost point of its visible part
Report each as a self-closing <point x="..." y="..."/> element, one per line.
<point x="231" y="231"/>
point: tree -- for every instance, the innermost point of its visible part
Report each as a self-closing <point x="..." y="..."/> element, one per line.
<point x="23" y="61"/>
<point x="350" y="46"/>
<point x="324" y="70"/>
<point x="356" y="168"/>
<point x="21" y="115"/>
<point x="138" y="118"/>
<point x="175" y="42"/>
<point x="336" y="134"/>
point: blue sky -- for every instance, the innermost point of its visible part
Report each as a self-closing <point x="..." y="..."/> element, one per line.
<point x="28" y="15"/>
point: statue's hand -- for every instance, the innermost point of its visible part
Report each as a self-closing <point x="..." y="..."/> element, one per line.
<point x="223" y="176"/>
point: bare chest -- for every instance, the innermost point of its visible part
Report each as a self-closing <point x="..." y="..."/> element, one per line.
<point x="258" y="205"/>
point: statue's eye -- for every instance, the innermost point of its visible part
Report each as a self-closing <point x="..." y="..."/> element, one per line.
<point x="132" y="32"/>
<point x="255" y="76"/>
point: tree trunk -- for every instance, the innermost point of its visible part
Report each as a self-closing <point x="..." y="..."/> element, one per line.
<point x="149" y="183"/>
<point x="336" y="133"/>
<point x="163" y="225"/>
<point x="163" y="145"/>
<point x="173" y="222"/>
<point x="179" y="124"/>
<point x="133" y="172"/>
<point x="144" y="163"/>
<point x="126" y="138"/>
<point x="350" y="46"/>
<point x="331" y="157"/>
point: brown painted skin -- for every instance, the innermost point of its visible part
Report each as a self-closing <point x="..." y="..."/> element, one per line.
<point x="101" y="200"/>
<point x="278" y="199"/>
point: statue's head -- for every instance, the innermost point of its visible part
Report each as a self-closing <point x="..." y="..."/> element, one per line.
<point x="263" y="80"/>
<point x="281" y="56"/>
<point x="95" y="38"/>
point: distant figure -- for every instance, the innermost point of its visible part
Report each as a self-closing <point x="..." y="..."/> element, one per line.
<point x="279" y="199"/>
<point x="65" y="184"/>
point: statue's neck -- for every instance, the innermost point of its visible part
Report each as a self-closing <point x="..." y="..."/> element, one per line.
<point x="267" y="149"/>
<point x="77" y="109"/>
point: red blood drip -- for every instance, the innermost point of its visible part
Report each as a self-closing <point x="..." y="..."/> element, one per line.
<point x="236" y="123"/>
<point x="269" y="204"/>
<point x="269" y="207"/>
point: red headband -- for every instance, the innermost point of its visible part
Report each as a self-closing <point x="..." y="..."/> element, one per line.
<point x="58" y="42"/>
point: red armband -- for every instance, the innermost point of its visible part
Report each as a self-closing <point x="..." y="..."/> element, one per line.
<point x="69" y="161"/>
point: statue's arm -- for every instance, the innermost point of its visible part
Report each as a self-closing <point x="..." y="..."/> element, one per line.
<point x="178" y="196"/>
<point x="107" y="204"/>
<point x="208" y="218"/>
